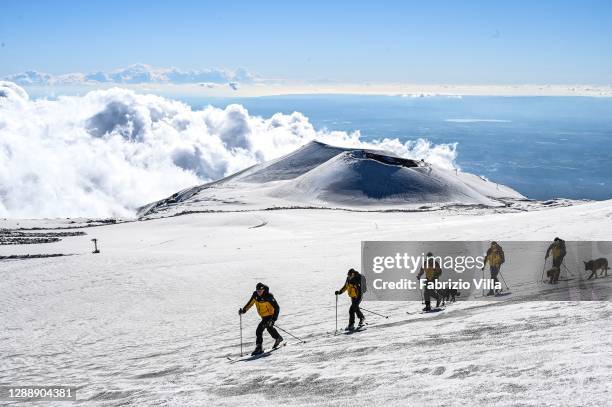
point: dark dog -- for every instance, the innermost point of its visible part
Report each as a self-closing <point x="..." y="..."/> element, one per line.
<point x="594" y="265"/>
<point x="448" y="294"/>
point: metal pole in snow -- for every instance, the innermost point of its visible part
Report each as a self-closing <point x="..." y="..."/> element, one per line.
<point x="336" y="331"/>
<point x="543" y="268"/>
<point x="504" y="280"/>
<point x="289" y="333"/>
<point x="483" y="282"/>
<point x="240" y="335"/>
<point x="372" y="312"/>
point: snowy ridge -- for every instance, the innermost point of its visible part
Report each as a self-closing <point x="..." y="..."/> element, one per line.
<point x="327" y="176"/>
<point x="354" y="178"/>
<point x="291" y="165"/>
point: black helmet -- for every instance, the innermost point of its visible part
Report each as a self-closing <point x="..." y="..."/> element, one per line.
<point x="351" y="271"/>
<point x="429" y="254"/>
<point x="260" y="286"/>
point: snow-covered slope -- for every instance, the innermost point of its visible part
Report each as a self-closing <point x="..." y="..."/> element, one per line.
<point x="352" y="178"/>
<point x="318" y="174"/>
<point x="152" y="319"/>
<point x="291" y="165"/>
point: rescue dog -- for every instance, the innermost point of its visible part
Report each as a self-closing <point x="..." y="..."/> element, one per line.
<point x="448" y="294"/>
<point x="598" y="264"/>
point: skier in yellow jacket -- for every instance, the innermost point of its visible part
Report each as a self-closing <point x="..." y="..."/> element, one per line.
<point x="353" y="288"/>
<point x="495" y="257"/>
<point x="558" y="252"/>
<point x="432" y="270"/>
<point x="268" y="310"/>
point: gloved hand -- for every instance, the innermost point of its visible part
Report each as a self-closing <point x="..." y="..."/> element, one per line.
<point x="337" y="292"/>
<point x="270" y="323"/>
<point x="240" y="311"/>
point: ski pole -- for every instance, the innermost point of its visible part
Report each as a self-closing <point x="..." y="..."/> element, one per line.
<point x="421" y="292"/>
<point x="336" y="314"/>
<point x="483" y="281"/>
<point x="290" y="334"/>
<point x="543" y="268"/>
<point x="240" y="335"/>
<point x="372" y="312"/>
<point x="567" y="270"/>
<point x="504" y="280"/>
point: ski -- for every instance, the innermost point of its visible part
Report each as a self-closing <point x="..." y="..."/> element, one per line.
<point x="558" y="281"/>
<point x="432" y="311"/>
<point x="249" y="358"/>
<point x="358" y="329"/>
<point x="344" y="331"/>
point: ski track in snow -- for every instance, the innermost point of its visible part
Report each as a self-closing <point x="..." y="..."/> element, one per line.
<point x="142" y="325"/>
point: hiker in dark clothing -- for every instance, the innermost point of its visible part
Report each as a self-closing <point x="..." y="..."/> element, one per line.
<point x="432" y="271"/>
<point x="558" y="252"/>
<point x="353" y="288"/>
<point x="268" y="310"/>
<point x="495" y="257"/>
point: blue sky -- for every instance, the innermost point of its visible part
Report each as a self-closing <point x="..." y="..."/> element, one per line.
<point x="468" y="42"/>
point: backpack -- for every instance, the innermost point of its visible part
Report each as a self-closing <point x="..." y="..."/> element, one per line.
<point x="364" y="284"/>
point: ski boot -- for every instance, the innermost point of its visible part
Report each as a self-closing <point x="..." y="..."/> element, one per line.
<point x="438" y="301"/>
<point x="427" y="306"/>
<point x="361" y="322"/>
<point x="491" y="292"/>
<point x="350" y="328"/>
<point x="258" y="350"/>
<point x="277" y="342"/>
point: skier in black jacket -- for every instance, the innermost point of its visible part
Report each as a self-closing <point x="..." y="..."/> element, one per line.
<point x="353" y="288"/>
<point x="268" y="310"/>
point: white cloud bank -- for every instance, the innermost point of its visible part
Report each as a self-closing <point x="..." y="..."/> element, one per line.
<point x="110" y="151"/>
<point x="134" y="75"/>
<point x="224" y="82"/>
